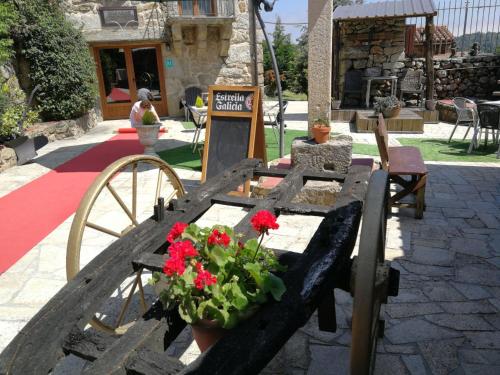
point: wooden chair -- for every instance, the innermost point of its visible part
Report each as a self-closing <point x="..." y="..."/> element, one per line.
<point x="200" y="122"/>
<point x="403" y="161"/>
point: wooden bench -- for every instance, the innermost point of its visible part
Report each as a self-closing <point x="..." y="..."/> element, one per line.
<point x="403" y="161"/>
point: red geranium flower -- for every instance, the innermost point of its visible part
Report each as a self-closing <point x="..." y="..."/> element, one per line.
<point x="174" y="265"/>
<point x="182" y="249"/>
<point x="204" y="278"/>
<point x="263" y="220"/>
<point x="218" y="238"/>
<point x="176" y="231"/>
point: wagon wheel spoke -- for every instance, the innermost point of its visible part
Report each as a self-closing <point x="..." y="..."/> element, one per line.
<point x="122" y="204"/>
<point x="102" y="229"/>
<point x="167" y="183"/>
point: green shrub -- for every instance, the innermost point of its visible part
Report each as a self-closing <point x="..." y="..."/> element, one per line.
<point x="58" y="58"/>
<point x="11" y="112"/>
<point x="8" y="16"/>
<point x="199" y="102"/>
<point x="148" y="118"/>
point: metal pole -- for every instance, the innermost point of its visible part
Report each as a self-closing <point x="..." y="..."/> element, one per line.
<point x="269" y="7"/>
<point x="465" y="25"/>
<point x="253" y="44"/>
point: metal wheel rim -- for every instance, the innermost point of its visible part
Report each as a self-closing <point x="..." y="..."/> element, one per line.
<point x="80" y="221"/>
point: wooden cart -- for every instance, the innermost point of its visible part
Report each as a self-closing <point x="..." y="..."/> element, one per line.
<point x="58" y="329"/>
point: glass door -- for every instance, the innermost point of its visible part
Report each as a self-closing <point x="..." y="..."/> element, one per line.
<point x="124" y="70"/>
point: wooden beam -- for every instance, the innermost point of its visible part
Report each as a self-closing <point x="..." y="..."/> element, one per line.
<point x="429" y="51"/>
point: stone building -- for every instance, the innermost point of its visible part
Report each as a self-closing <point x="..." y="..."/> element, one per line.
<point x="165" y="46"/>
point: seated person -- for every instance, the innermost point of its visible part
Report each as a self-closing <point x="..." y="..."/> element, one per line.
<point x="138" y="110"/>
<point x="144" y="94"/>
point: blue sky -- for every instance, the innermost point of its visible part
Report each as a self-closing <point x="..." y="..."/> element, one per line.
<point x="293" y="11"/>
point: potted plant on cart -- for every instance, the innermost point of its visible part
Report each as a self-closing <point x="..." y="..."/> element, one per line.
<point x="216" y="280"/>
<point x="389" y="106"/>
<point x="321" y="130"/>
<point x="148" y="132"/>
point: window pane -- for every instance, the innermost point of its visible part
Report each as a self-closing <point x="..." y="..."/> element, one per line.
<point x="146" y="70"/>
<point x="114" y="75"/>
<point x="205" y="7"/>
<point x="187" y="7"/>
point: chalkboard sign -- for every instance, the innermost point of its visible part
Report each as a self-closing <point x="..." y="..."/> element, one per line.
<point x="231" y="128"/>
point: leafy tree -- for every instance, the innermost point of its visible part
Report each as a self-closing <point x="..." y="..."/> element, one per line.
<point x="8" y="16"/>
<point x="284" y="51"/>
<point x="487" y="41"/>
<point x="58" y="59"/>
<point x="299" y="81"/>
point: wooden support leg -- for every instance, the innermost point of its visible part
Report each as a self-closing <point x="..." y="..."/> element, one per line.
<point x="420" y="194"/>
<point x="327" y="319"/>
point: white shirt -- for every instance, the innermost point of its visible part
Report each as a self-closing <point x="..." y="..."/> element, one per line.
<point x="137" y="112"/>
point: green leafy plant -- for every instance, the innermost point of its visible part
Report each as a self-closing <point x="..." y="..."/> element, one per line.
<point x="148" y="118"/>
<point x="8" y="16"/>
<point x="12" y="106"/>
<point x="212" y="275"/>
<point x="58" y="59"/>
<point x="199" y="102"/>
<point x="386" y="103"/>
<point x="321" y="123"/>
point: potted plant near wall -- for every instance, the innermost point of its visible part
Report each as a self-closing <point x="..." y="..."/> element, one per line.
<point x="148" y="132"/>
<point x="389" y="106"/>
<point x="430" y="104"/>
<point x="215" y="280"/>
<point x="321" y="130"/>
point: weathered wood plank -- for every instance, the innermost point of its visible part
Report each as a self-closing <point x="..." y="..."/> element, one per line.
<point x="88" y="344"/>
<point x="152" y="363"/>
<point x="156" y="325"/>
<point x="38" y="346"/>
<point x="152" y="262"/>
<point x="232" y="200"/>
<point x="308" y="175"/>
<point x="304" y="209"/>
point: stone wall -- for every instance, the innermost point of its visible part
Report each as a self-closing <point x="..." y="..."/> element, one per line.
<point x="204" y="50"/>
<point x="373" y="47"/>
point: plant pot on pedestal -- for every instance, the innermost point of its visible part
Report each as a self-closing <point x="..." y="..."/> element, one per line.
<point x="148" y="136"/>
<point x="430" y="104"/>
<point x="391" y="112"/>
<point x="321" y="131"/>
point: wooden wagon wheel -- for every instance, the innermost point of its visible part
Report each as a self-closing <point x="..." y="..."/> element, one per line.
<point x="371" y="276"/>
<point x="119" y="177"/>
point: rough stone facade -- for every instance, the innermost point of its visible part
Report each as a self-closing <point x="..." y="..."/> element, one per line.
<point x="7" y="158"/>
<point x="203" y="50"/>
<point x="374" y="47"/>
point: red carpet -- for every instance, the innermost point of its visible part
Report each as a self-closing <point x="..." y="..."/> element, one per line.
<point x="31" y="212"/>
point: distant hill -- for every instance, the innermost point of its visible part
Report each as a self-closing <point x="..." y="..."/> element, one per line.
<point x="488" y="41"/>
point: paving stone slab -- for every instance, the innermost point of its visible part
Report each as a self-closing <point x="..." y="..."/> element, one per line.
<point x="417" y="330"/>
<point x="441" y="291"/>
<point x="484" y="340"/>
<point x="469" y="307"/>
<point x="406" y="310"/>
<point x="470" y="246"/>
<point x="400" y="349"/>
<point x="432" y="256"/>
<point x="409" y="295"/>
<point x="414" y="364"/>
<point x="427" y="270"/>
<point x="441" y="355"/>
<point x="461" y="322"/>
<point x="327" y="360"/>
<point x="464" y="213"/>
<point x="388" y="364"/>
<point x="478" y="274"/>
<point x="471" y="291"/>
<point x="473" y="369"/>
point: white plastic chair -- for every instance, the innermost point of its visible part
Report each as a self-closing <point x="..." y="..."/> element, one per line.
<point x="466" y="115"/>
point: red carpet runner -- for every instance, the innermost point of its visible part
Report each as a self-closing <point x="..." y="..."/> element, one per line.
<point x="31" y="212"/>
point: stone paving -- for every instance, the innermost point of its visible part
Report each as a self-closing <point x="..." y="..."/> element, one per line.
<point x="446" y="319"/>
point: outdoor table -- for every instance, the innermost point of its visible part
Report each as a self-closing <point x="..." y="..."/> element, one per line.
<point x="393" y="79"/>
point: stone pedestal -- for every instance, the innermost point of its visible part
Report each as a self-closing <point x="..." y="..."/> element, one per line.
<point x="323" y="193"/>
<point x="334" y="155"/>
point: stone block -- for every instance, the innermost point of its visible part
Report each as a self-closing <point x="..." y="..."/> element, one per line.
<point x="7" y="158"/>
<point x="323" y="193"/>
<point x="334" y="155"/>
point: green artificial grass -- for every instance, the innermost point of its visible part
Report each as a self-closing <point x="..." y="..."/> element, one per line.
<point x="441" y="150"/>
<point x="431" y="149"/>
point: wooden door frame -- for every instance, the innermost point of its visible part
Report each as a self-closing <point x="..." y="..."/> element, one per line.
<point x="122" y="110"/>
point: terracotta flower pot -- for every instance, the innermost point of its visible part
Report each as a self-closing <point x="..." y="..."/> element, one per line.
<point x="321" y="134"/>
<point x="206" y="333"/>
<point x="430" y="104"/>
<point x="392" y="112"/>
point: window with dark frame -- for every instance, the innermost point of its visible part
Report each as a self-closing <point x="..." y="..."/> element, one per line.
<point x="122" y="16"/>
<point x="197" y="7"/>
